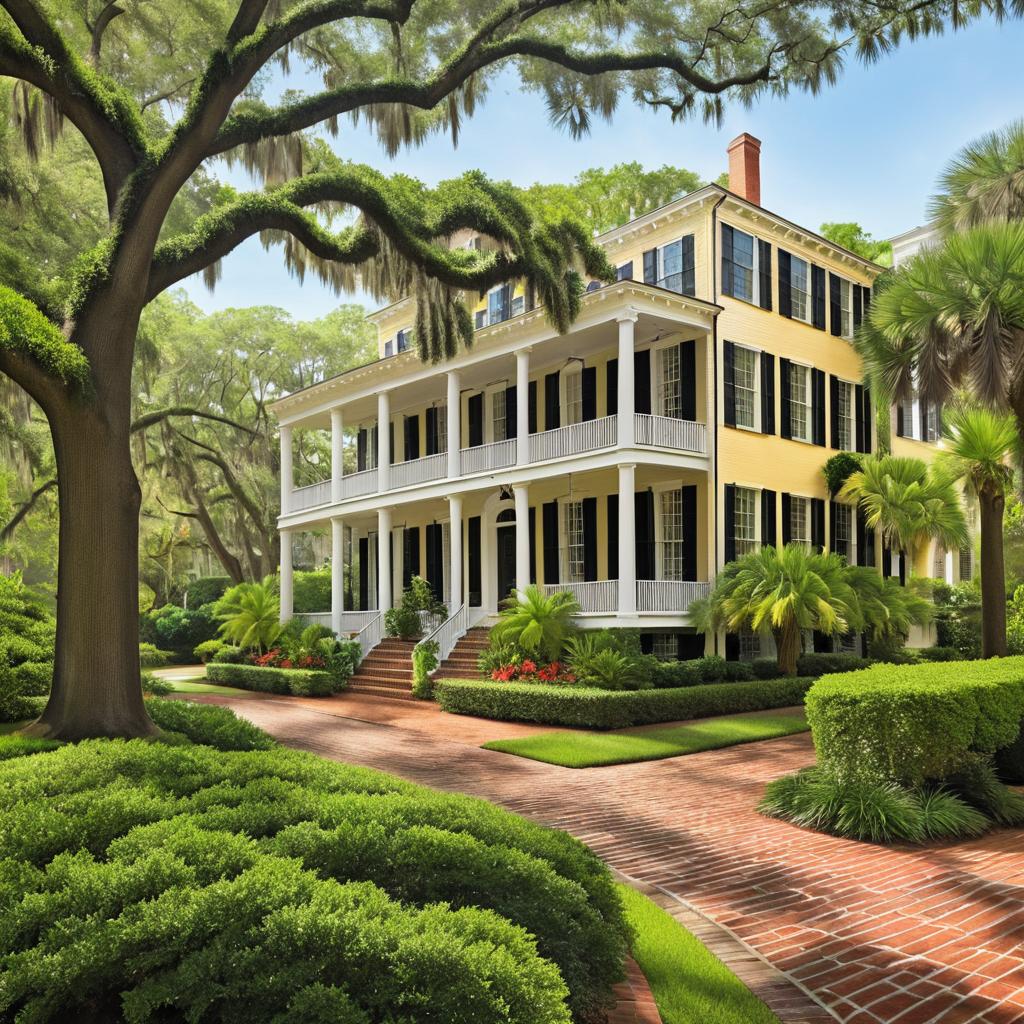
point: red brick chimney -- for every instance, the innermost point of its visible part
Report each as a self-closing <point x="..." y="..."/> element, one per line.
<point x="745" y="167"/>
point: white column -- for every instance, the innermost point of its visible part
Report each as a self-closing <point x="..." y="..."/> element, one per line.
<point x="286" y="470"/>
<point x="455" y="549"/>
<point x="454" y="425"/>
<point x="337" y="573"/>
<point x="384" y="559"/>
<point x="522" y="498"/>
<point x="627" y="540"/>
<point x="337" y="454"/>
<point x="523" y="407"/>
<point x="627" y="385"/>
<point x="286" y="590"/>
<point x="383" y="441"/>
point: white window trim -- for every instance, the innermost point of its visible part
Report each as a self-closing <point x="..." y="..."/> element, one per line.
<point x="757" y="489"/>
<point x="809" y="306"/>
<point x="847" y="283"/>
<point x="806" y="367"/>
<point x="755" y="428"/>
<point x="853" y="412"/>
<point x="807" y="520"/>
<point x="852" y="557"/>
<point x="755" y="284"/>
<point x="657" y="490"/>
<point x="574" y="368"/>
<point x="489" y="392"/>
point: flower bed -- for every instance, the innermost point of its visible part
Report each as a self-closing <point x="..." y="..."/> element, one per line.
<point x="295" y="681"/>
<point x="528" y="671"/>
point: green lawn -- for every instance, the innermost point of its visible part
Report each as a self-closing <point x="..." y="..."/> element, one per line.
<point x="592" y="749"/>
<point x="9" y="727"/>
<point x="690" y="984"/>
<point x="198" y="685"/>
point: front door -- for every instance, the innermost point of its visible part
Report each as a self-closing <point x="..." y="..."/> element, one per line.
<point x="506" y="561"/>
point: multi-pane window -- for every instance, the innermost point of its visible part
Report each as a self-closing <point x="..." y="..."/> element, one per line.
<point x="800" y="287"/>
<point x="665" y="646"/>
<point x="673" y="274"/>
<point x="498" y="301"/>
<point x="441" y="440"/>
<point x="672" y="535"/>
<point x="573" y="397"/>
<point x="845" y="414"/>
<point x="389" y="348"/>
<point x="750" y="645"/>
<point x="743" y="260"/>
<point x="574" y="541"/>
<point x="518" y="305"/>
<point x="846" y="308"/>
<point x="966" y="563"/>
<point x="745" y="516"/>
<point x="932" y="428"/>
<point x="480" y="319"/>
<point x="800" y="401"/>
<point x="402" y="340"/>
<point x="843" y="530"/>
<point x="498" y="417"/>
<point x="670" y="398"/>
<point x="745" y="379"/>
<point x="799" y="521"/>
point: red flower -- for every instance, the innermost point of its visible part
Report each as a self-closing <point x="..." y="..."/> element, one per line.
<point x="528" y="667"/>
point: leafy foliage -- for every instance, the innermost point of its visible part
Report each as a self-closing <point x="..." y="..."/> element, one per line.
<point x="853" y="237"/>
<point x="535" y="623"/>
<point x="299" y="682"/>
<point x="838" y="469"/>
<point x="250" y="614"/>
<point x="27" y="633"/>
<point x="405" y="620"/>
<point x="424" y="661"/>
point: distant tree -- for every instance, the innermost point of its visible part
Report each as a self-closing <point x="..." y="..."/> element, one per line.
<point x="852" y="236"/>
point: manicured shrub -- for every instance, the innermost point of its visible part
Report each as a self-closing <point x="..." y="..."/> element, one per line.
<point x="150" y="656"/>
<point x="209" y="649"/>
<point x="152" y="686"/>
<point x="33" y="677"/>
<point x="939" y="654"/>
<point x="229" y="654"/>
<point x="819" y="664"/>
<point x="673" y="674"/>
<point x="311" y="591"/>
<point x="208" y="724"/>
<point x="171" y="628"/>
<point x="765" y="668"/>
<point x="424" y="661"/>
<point x="604" y="709"/>
<point x="298" y="682"/>
<point x="27" y="631"/>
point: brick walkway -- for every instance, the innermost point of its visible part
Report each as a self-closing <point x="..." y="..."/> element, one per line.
<point x="874" y="934"/>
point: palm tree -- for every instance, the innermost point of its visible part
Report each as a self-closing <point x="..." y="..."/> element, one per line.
<point x="983" y="182"/>
<point x="249" y="614"/>
<point x="888" y="609"/>
<point x="980" y="444"/>
<point x="536" y="623"/>
<point x="909" y="501"/>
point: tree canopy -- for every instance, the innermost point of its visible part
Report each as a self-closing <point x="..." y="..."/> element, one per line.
<point x="852" y="236"/>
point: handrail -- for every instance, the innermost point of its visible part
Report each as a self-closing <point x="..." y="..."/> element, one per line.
<point x="370" y="635"/>
<point x="448" y="632"/>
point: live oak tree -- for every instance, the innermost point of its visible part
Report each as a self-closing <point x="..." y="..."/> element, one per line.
<point x="406" y="67"/>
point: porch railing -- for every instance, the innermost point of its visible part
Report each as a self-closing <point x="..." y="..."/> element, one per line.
<point x="574" y="439"/>
<point x="311" y="495"/>
<point x="355" y="484"/>
<point x="419" y="471"/>
<point x="371" y="634"/>
<point x="594" y="598"/>
<point x="667" y="432"/>
<point x="497" y="455"/>
<point x="314" y="618"/>
<point x="668" y="595"/>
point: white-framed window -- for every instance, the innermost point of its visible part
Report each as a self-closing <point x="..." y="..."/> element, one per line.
<point x="574" y="541"/>
<point x="498" y="418"/>
<point x="441" y="441"/>
<point x="480" y="319"/>
<point x="800" y="288"/>
<point x="800" y="401"/>
<point x="518" y="305"/>
<point x="744" y="262"/>
<point x="845" y="397"/>
<point x="745" y="519"/>
<point x="499" y="301"/>
<point x="371" y="446"/>
<point x="389" y="348"/>
<point x="745" y="376"/>
<point x="932" y="426"/>
<point x="845" y="534"/>
<point x="845" y="308"/>
<point x="671" y="535"/>
<point x="572" y="405"/>
<point x="669" y="373"/>
<point x="800" y="520"/>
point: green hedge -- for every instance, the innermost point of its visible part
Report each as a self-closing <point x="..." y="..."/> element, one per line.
<point x="311" y="591"/>
<point x="612" y="709"/>
<point x="298" y="682"/>
<point x="909" y="723"/>
<point x="180" y="882"/>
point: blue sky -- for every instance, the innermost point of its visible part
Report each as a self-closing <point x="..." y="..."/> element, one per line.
<point x="868" y="149"/>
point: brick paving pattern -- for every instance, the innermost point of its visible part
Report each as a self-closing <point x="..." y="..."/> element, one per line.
<point x="875" y="935"/>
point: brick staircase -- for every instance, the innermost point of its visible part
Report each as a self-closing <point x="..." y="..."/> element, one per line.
<point x="386" y="671"/>
<point x="461" y="663"/>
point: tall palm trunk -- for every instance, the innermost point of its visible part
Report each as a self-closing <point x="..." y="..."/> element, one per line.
<point x="991" y="502"/>
<point x="787" y="647"/>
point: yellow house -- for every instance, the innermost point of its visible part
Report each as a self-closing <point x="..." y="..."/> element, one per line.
<point x="684" y="419"/>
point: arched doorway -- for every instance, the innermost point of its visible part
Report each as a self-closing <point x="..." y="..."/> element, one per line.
<point x="505" y="536"/>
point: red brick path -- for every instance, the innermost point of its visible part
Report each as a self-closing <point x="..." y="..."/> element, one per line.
<point x="874" y="934"/>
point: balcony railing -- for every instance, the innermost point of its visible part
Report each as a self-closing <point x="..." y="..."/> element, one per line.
<point x="666" y="432"/>
<point x="668" y="595"/>
<point x="311" y="496"/>
<point x="498" y="455"/>
<point x="419" y="471"/>
<point x="594" y="598"/>
<point x="355" y="484"/>
<point x="573" y="439"/>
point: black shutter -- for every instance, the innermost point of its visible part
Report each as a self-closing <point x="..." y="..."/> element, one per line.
<point x="832" y="526"/>
<point x="729" y="381"/>
<point x="412" y="437"/>
<point x="856" y="306"/>
<point x="642" y="380"/>
<point x="612" y="387"/>
<point x="886" y="561"/>
<point x="625" y="272"/>
<point x="785" y="284"/>
<point x="549" y="528"/>
<point x="589" y="539"/>
<point x="475" y="408"/>
<point x="531" y="401"/>
<point x="833" y="401"/>
<point x="364" y="573"/>
<point x="727" y="260"/>
<point x="732" y="647"/>
<point x="729" y="520"/>
<point x="769" y="526"/>
<point x="435" y="559"/>
<point x="688" y="499"/>
<point x="511" y="412"/>
<point x="410" y="554"/>
<point x="787" y="522"/>
<point x="645" y="561"/>
<point x="532" y="523"/>
<point x="688" y="380"/>
<point x="858" y="418"/>
<point x="613" y="536"/>
<point x="505" y="301"/>
<point x="764" y="273"/>
<point x="818" y="406"/>
<point x="862" y="534"/>
<point x="818" y="296"/>
<point x="835" y="305"/>
<point x="361" y="450"/>
<point x="689" y="267"/>
<point x="431" y="438"/>
<point x="767" y="393"/>
<point x="903" y="569"/>
<point x="785" y="417"/>
<point x="922" y="408"/>
<point x="651" y="266"/>
<point x="474" y="587"/>
<point x="865" y="292"/>
<point x="551" y="410"/>
<point x="817" y="524"/>
<point x="529" y="297"/>
<point x="391" y="441"/>
<point x="589" y="383"/>
<point x="864" y="408"/>
<point x="900" y="425"/>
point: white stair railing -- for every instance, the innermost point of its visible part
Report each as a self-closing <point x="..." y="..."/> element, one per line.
<point x="667" y="432"/>
<point x="419" y="471"/>
<point x="310" y="496"/>
<point x="448" y="632"/>
<point x="482" y="457"/>
<point x="370" y="635"/>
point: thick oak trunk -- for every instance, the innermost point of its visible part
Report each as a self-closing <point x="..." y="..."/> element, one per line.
<point x="96" y="687"/>
<point x="993" y="582"/>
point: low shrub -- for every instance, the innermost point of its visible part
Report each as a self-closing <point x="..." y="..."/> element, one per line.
<point x="599" y="659"/>
<point x="27" y="632"/>
<point x="939" y="654"/>
<point x="606" y="709"/>
<point x="311" y="590"/>
<point x="298" y="682"/>
<point x="526" y="670"/>
<point x="765" y="668"/>
<point x="819" y="664"/>
<point x="152" y="686"/>
<point x="209" y="649"/>
<point x="229" y="654"/>
<point x="405" y="621"/>
<point x="150" y="656"/>
<point x="712" y="668"/>
<point x="424" y="661"/>
<point x="176" y="629"/>
<point x="208" y="724"/>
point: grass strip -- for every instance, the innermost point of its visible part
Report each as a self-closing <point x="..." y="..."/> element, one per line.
<point x="190" y="686"/>
<point x="594" y="749"/>
<point x="689" y="983"/>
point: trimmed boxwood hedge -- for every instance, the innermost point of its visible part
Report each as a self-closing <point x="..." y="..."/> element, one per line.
<point x="612" y="709"/>
<point x="298" y="682"/>
<point x="154" y="882"/>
